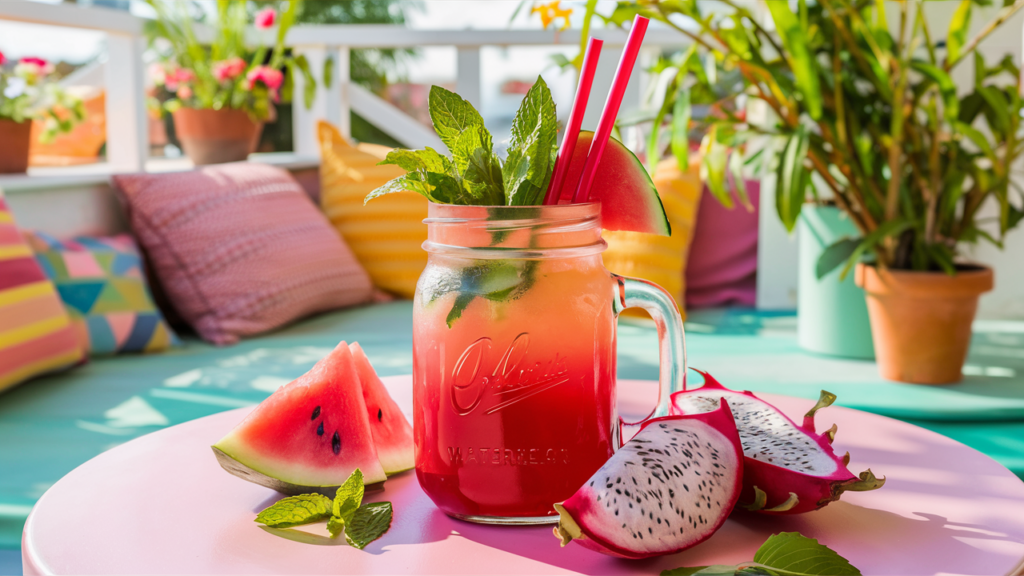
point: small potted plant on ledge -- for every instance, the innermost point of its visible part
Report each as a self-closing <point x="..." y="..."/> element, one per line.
<point x="869" y="118"/>
<point x="30" y="92"/>
<point x="223" y="92"/>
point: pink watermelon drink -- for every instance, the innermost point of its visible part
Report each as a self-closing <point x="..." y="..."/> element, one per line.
<point x="513" y="400"/>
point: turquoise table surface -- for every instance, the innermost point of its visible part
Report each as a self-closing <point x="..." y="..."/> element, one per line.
<point x="51" y="425"/>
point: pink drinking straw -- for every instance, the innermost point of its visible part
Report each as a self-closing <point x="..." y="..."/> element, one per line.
<point x="572" y="127"/>
<point x="611" y="108"/>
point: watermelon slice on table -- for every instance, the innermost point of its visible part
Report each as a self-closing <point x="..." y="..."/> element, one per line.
<point x="629" y="200"/>
<point x="309" y="435"/>
<point x="392" y="433"/>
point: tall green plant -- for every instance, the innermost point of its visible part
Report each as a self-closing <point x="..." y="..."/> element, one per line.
<point x="868" y="119"/>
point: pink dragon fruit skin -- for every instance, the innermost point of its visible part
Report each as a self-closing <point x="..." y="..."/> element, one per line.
<point x="788" y="468"/>
<point x="669" y="488"/>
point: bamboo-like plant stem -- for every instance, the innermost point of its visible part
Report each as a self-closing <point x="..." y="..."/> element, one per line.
<point x="1003" y="16"/>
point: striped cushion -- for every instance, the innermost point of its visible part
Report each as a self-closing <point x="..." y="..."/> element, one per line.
<point x="661" y="259"/>
<point x="240" y="249"/>
<point x="103" y="285"/>
<point x="385" y="234"/>
<point x="36" y="335"/>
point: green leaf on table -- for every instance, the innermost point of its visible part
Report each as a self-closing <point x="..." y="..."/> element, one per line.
<point x="785" y="554"/>
<point x="451" y="115"/>
<point x="370" y="522"/>
<point x="795" y="553"/>
<point x="349" y="496"/>
<point x="336" y="526"/>
<point x="835" y="255"/>
<point x="527" y="169"/>
<point x="295" y="511"/>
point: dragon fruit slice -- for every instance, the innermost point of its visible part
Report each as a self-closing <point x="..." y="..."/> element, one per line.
<point x="669" y="488"/>
<point x="788" y="468"/>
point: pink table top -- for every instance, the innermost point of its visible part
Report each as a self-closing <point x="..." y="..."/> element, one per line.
<point x="160" y="504"/>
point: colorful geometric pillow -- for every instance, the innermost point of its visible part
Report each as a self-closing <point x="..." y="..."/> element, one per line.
<point x="386" y="235"/>
<point x="103" y="285"/>
<point x="240" y="248"/>
<point x="36" y="335"/>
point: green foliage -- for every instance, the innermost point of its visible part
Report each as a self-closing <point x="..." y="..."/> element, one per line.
<point x="346" y="514"/>
<point x="862" y="115"/>
<point x="474" y="175"/>
<point x="784" y="554"/>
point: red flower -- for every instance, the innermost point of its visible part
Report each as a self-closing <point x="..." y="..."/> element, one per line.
<point x="177" y="76"/>
<point x="36" y="61"/>
<point x="3" y="59"/>
<point x="228" y="69"/>
<point x="271" y="78"/>
<point x="265" y="18"/>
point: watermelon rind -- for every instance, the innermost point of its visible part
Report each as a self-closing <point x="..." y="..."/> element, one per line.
<point x="246" y="473"/>
<point x="629" y="199"/>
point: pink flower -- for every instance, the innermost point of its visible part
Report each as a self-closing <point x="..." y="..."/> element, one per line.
<point x="3" y="59"/>
<point x="271" y="78"/>
<point x="32" y="68"/>
<point x="184" y="92"/>
<point x="228" y="69"/>
<point x="265" y="18"/>
<point x="158" y="73"/>
<point x="177" y="76"/>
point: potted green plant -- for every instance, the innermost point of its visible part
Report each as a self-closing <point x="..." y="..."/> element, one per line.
<point x="28" y="92"/>
<point x="223" y="92"/>
<point x="871" y="120"/>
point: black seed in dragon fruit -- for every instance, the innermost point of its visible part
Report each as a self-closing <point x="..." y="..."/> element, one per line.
<point x="669" y="488"/>
<point x="788" y="468"/>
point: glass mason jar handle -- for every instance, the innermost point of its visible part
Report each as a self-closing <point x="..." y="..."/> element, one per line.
<point x="635" y="293"/>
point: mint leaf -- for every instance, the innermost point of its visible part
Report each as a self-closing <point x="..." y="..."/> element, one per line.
<point x="461" y="302"/>
<point x="335" y="526"/>
<point x="429" y="174"/>
<point x="370" y="522"/>
<point x="792" y="552"/>
<point x="451" y="115"/>
<point x="349" y="496"/>
<point x="295" y="511"/>
<point x="785" y="554"/>
<point x="527" y="169"/>
<point x="479" y="168"/>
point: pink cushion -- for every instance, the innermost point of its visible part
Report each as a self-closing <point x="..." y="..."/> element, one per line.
<point x="723" y="256"/>
<point x="240" y="249"/>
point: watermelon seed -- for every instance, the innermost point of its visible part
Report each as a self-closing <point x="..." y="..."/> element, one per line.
<point x="336" y="443"/>
<point x="316" y="413"/>
<point x="380" y="414"/>
<point x="320" y="430"/>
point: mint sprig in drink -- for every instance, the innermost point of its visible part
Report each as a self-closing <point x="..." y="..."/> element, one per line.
<point x="514" y="318"/>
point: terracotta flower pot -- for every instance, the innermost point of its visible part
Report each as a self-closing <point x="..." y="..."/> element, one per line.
<point x="216" y="136"/>
<point x="921" y="321"/>
<point x="14" y="145"/>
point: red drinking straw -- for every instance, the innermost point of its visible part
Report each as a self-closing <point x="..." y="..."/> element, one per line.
<point x="611" y="108"/>
<point x="572" y="127"/>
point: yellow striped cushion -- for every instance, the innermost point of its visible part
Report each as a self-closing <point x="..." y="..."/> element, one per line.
<point x="661" y="259"/>
<point x="36" y="334"/>
<point x="385" y="234"/>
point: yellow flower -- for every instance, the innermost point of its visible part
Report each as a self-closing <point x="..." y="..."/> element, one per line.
<point x="550" y="11"/>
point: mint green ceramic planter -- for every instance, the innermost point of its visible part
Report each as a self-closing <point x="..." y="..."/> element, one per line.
<point x="832" y="316"/>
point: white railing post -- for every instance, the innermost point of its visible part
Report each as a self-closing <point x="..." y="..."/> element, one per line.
<point x="467" y="74"/>
<point x="326" y="104"/>
<point x="127" y="121"/>
<point x="343" y="79"/>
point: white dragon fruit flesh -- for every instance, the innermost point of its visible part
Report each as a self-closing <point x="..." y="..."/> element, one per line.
<point x="788" y="468"/>
<point x="669" y="488"/>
